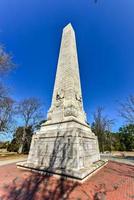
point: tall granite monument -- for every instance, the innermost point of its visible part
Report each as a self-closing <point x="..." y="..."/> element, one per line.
<point x="65" y="144"/>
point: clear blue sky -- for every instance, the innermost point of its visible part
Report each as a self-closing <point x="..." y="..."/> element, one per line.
<point x="31" y="30"/>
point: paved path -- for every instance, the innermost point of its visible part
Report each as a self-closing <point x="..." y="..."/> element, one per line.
<point x="9" y="161"/>
<point x="115" y="181"/>
<point x="128" y="160"/>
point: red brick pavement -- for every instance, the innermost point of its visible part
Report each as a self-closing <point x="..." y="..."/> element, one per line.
<point x="115" y="181"/>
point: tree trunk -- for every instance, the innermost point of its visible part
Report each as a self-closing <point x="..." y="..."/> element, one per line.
<point x="23" y="140"/>
<point x="20" y="149"/>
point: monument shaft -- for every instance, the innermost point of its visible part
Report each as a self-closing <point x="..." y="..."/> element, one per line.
<point x="67" y="97"/>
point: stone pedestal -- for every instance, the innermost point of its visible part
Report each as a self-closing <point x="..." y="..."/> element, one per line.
<point x="67" y="148"/>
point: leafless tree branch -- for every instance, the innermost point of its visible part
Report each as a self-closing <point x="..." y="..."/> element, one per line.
<point x="126" y="109"/>
<point x="6" y="63"/>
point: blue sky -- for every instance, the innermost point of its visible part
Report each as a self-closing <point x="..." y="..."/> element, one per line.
<point x="31" y="30"/>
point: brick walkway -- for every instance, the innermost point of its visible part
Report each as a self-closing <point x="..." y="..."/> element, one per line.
<point x="115" y="181"/>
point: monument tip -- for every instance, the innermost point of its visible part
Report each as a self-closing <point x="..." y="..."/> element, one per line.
<point x="68" y="27"/>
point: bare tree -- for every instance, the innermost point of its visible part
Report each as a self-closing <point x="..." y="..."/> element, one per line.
<point x="30" y="111"/>
<point x="101" y="125"/>
<point x="6" y="113"/>
<point x="126" y="109"/>
<point x="6" y="63"/>
<point x="6" y="102"/>
<point x="3" y="91"/>
<point x="7" y="121"/>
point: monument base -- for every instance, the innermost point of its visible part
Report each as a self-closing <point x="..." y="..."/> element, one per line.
<point x="75" y="175"/>
<point x="68" y="148"/>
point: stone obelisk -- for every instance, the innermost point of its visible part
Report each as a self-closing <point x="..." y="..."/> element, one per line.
<point x="67" y="97"/>
<point x="65" y="144"/>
